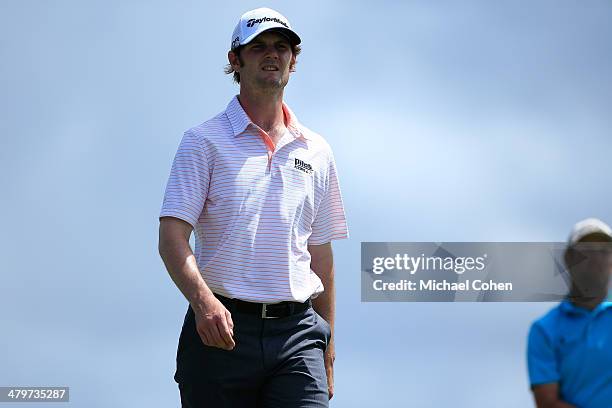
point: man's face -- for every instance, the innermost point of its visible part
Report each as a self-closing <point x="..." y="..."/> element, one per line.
<point x="267" y="61"/>
<point x="590" y="265"/>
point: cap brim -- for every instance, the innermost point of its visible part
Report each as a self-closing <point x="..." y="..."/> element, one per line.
<point x="293" y="38"/>
<point x="593" y="236"/>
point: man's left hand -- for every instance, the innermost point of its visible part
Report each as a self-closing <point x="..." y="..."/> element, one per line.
<point x="330" y="356"/>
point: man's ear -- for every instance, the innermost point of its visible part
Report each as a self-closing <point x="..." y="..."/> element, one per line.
<point x="292" y="63"/>
<point x="567" y="257"/>
<point x="234" y="61"/>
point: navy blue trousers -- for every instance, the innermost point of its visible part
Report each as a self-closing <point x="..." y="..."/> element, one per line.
<point x="276" y="363"/>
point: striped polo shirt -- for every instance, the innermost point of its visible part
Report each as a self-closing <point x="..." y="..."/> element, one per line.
<point x="254" y="206"/>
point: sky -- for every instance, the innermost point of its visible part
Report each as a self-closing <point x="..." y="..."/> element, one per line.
<point x="450" y="121"/>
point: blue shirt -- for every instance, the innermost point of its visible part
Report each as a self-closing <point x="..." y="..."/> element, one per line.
<point x="572" y="346"/>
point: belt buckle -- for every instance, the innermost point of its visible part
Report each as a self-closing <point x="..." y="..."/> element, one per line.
<point x="264" y="312"/>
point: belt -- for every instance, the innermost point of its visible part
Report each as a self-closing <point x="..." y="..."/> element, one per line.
<point x="264" y="310"/>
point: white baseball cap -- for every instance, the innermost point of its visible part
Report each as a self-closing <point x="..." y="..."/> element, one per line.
<point x="588" y="227"/>
<point x="254" y="22"/>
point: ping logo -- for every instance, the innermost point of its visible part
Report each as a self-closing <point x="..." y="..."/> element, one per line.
<point x="303" y="166"/>
<point x="236" y="42"/>
<point x="254" y="21"/>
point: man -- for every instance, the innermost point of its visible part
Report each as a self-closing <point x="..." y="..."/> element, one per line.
<point x="570" y="348"/>
<point x="261" y="192"/>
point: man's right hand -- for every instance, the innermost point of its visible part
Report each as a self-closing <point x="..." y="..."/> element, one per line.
<point x="547" y="396"/>
<point x="214" y="323"/>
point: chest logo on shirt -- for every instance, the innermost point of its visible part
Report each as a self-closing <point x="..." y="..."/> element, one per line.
<point x="303" y="166"/>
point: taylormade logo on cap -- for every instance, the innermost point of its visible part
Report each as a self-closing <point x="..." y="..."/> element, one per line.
<point x="254" y="22"/>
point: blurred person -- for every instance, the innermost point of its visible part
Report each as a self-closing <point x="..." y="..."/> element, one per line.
<point x="261" y="192"/>
<point x="570" y="348"/>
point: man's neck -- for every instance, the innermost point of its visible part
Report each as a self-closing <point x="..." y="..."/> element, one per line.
<point x="265" y="110"/>
<point x="587" y="303"/>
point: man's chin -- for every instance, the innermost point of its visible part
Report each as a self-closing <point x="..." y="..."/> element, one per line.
<point x="272" y="84"/>
<point x="271" y="81"/>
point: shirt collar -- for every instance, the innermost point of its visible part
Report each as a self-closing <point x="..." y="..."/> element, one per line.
<point x="240" y="120"/>
<point x="568" y="307"/>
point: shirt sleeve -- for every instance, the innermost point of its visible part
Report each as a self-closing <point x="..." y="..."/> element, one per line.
<point x="330" y="221"/>
<point x="541" y="361"/>
<point x="188" y="183"/>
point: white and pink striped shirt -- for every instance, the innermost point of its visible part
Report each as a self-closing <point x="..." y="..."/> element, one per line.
<point x="255" y="207"/>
